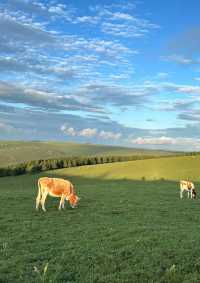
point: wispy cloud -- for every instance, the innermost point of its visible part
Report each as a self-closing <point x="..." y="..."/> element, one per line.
<point x="181" y="60"/>
<point x="120" y="20"/>
<point x="40" y="99"/>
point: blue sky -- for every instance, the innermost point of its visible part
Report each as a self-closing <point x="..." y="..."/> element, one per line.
<point x="110" y="72"/>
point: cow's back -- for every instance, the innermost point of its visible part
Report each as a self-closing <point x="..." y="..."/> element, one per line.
<point x="62" y="184"/>
<point x="56" y="186"/>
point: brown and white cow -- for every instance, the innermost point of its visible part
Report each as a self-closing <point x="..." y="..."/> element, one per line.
<point x="56" y="187"/>
<point x="187" y="186"/>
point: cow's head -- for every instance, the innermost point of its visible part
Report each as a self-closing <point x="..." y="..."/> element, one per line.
<point x="73" y="200"/>
<point x="194" y="193"/>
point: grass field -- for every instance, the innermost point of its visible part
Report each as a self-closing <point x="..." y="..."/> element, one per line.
<point x="12" y="152"/>
<point x="123" y="231"/>
<point x="170" y="168"/>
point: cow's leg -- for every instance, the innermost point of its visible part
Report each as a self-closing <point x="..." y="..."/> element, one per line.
<point x="188" y="193"/>
<point x="181" y="194"/>
<point x="62" y="201"/>
<point x="39" y="196"/>
<point x="38" y="199"/>
<point x="44" y="196"/>
<point x="63" y="204"/>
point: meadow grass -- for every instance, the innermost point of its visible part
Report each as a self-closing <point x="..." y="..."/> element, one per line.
<point x="122" y="231"/>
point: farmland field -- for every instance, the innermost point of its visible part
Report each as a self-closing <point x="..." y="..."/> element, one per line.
<point x="122" y="231"/>
<point x="12" y="152"/>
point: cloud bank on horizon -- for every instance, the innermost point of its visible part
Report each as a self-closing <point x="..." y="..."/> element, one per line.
<point x="118" y="72"/>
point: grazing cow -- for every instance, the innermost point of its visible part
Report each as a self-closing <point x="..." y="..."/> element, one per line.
<point x="56" y="187"/>
<point x="188" y="187"/>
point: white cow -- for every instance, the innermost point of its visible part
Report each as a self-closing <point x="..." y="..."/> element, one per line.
<point x="187" y="186"/>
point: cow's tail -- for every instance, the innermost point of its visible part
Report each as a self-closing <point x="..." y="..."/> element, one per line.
<point x="38" y="199"/>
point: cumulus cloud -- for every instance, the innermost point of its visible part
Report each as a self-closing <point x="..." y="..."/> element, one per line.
<point x="110" y="135"/>
<point x="153" y="141"/>
<point x="41" y="125"/>
<point x="90" y="133"/>
<point x="164" y="140"/>
<point x="69" y="131"/>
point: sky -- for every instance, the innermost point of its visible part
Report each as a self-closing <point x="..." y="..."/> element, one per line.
<point x="107" y="72"/>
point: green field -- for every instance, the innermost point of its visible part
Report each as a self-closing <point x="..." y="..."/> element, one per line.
<point x="12" y="152"/>
<point x="123" y="230"/>
<point x="168" y="168"/>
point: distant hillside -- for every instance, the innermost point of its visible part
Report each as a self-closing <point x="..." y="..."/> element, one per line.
<point x="172" y="168"/>
<point x="12" y="152"/>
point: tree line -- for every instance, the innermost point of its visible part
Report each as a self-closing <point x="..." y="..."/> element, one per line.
<point x="58" y="163"/>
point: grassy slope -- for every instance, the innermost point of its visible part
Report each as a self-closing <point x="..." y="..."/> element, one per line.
<point x="172" y="168"/>
<point x="122" y="232"/>
<point x="12" y="152"/>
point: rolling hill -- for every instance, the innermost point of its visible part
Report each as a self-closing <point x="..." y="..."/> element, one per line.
<point x="171" y="168"/>
<point x="12" y="152"/>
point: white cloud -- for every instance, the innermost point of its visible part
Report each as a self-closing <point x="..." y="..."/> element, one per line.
<point x="180" y="59"/>
<point x="122" y="16"/>
<point x="188" y="89"/>
<point x="88" y="132"/>
<point x="165" y="140"/>
<point x="87" y="19"/>
<point x="110" y="135"/>
<point x="69" y="131"/>
<point x="153" y="141"/>
<point x="114" y="20"/>
<point x="41" y="99"/>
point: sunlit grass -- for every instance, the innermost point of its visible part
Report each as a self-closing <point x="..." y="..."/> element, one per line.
<point x="172" y="168"/>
